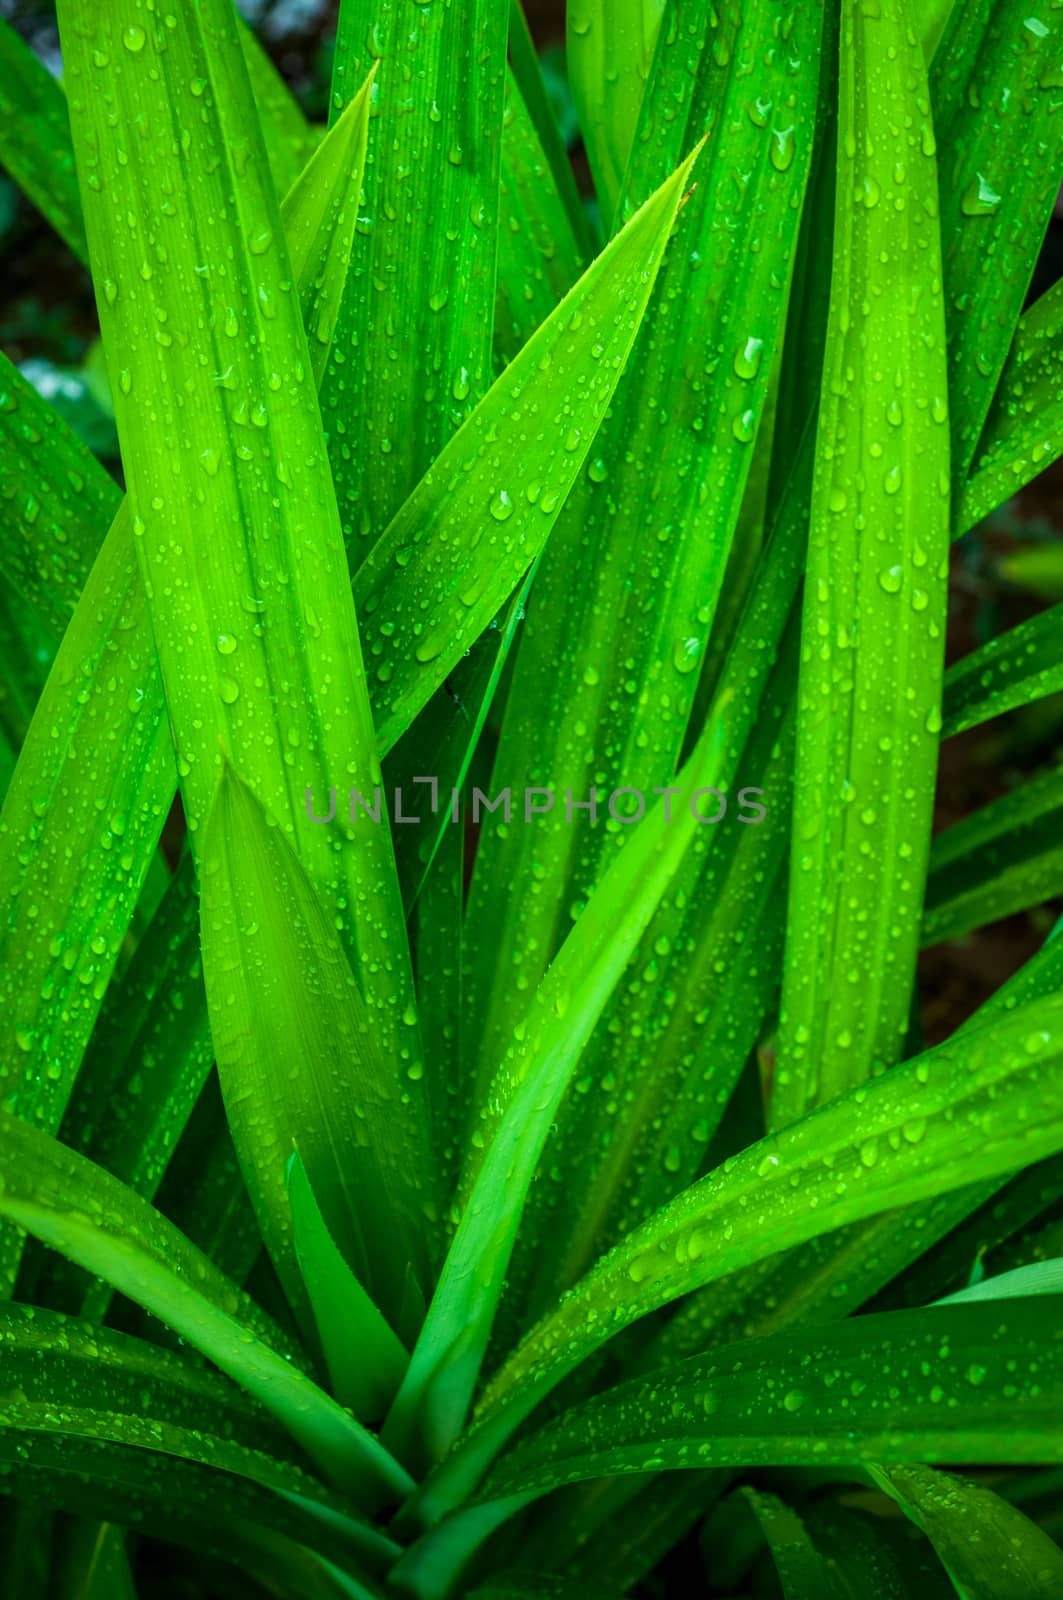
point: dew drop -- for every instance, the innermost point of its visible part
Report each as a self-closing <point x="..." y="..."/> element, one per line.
<point x="980" y="199"/>
<point x="782" y="148"/>
<point x="747" y="358"/>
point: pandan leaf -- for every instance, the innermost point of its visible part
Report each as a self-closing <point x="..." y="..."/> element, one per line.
<point x="413" y="344"/>
<point x="874" y="593"/>
<point x="1023" y="433"/>
<point x="228" y="483"/>
<point x="997" y="123"/>
<point x="77" y="1208"/>
<point x="431" y="1405"/>
<point x="609" y="52"/>
<point x="365" y="1359"/>
<point x="802" y="1568"/>
<point x="35" y="139"/>
<point x="625" y="595"/>
<point x="482" y="513"/>
<point x="985" y="1545"/>
<point x="1001" y="859"/>
<point x="79" y="863"/>
<point x="301" y="1062"/>
<point x="934" y="1123"/>
<point x="858" y="1390"/>
<point x="1015" y="669"/>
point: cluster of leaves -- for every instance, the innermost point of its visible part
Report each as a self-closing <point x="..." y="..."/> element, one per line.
<point x="389" y="1211"/>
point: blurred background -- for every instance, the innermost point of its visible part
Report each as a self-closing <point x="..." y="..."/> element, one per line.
<point x="1002" y="572"/>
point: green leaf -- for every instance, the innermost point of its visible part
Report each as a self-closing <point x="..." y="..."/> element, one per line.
<point x="144" y="1070"/>
<point x="1002" y="859"/>
<point x="78" y="1380"/>
<point x="803" y="1570"/>
<point x="300" y="1061"/>
<point x="77" y="1208"/>
<point x="250" y="629"/>
<point x="77" y="864"/>
<point x="996" y="119"/>
<point x="539" y="253"/>
<point x="482" y="513"/>
<point x="1042" y="1277"/>
<point x="1024" y="429"/>
<point x="365" y="1359"/>
<point x="1015" y="669"/>
<point x="515" y="1122"/>
<point x="963" y="1112"/>
<point x="419" y="312"/>
<point x="976" y="1384"/>
<point x="57" y="498"/>
<point x="987" y="1546"/>
<point x="957" y="1259"/>
<point x="609" y="52"/>
<point x="874" y="593"/>
<point x="35" y="139"/>
<point x="288" y="139"/>
<point x="624" y="598"/>
<point x="185" y="1503"/>
<point x="531" y="80"/>
<point x="96" y="1563"/>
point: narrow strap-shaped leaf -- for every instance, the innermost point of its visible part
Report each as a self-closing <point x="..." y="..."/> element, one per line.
<point x="952" y="1262"/>
<point x="187" y="1504"/>
<point x="144" y="1070"/>
<point x="74" y="1378"/>
<point x="1024" y="429"/>
<point x="998" y="123"/>
<point x="1015" y="669"/>
<point x="874" y="593"/>
<point x="75" y="870"/>
<point x="365" y="1359"/>
<point x="531" y="1079"/>
<point x="835" y="1274"/>
<point x="539" y="255"/>
<point x="524" y="61"/>
<point x="436" y="939"/>
<point x="251" y="631"/>
<point x="1004" y="858"/>
<point x="299" y="1058"/>
<point x="96" y="1221"/>
<point x="1038" y="1277"/>
<point x="288" y="139"/>
<point x="940" y="1121"/>
<point x="802" y="1569"/>
<point x="976" y="1384"/>
<point x="27" y="646"/>
<point x="431" y="761"/>
<point x="647" y="527"/>
<point x="633" y="1138"/>
<point x="615" y="1531"/>
<point x="96" y="1563"/>
<point x="427" y="285"/>
<point x="986" y="1545"/>
<point x="931" y="16"/>
<point x="870" y="1550"/>
<point x="609" y="49"/>
<point x="57" y="500"/>
<point x="482" y="513"/>
<point x="35" y="142"/>
<point x="123" y="718"/>
<point x="204" y="1194"/>
<point x="35" y="139"/>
